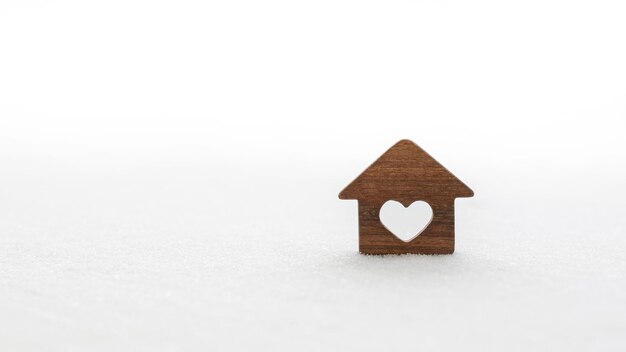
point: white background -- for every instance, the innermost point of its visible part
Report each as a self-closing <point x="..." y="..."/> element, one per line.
<point x="170" y="170"/>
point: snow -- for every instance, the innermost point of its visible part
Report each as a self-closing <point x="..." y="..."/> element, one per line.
<point x="170" y="255"/>
<point x="169" y="173"/>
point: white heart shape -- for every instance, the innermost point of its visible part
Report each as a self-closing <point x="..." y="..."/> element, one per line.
<point x="406" y="223"/>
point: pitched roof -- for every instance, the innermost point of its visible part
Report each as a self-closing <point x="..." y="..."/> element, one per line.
<point x="405" y="173"/>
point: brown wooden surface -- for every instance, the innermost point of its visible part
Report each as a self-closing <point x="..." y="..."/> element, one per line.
<point x="406" y="173"/>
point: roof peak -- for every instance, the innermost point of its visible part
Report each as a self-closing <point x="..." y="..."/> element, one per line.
<point x="405" y="171"/>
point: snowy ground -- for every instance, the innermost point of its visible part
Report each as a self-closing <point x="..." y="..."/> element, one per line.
<point x="169" y="173"/>
<point x="186" y="255"/>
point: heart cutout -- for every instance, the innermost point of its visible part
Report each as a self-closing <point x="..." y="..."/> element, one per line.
<point x="406" y="223"/>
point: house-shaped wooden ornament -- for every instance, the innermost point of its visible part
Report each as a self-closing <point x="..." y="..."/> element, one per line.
<point x="406" y="173"/>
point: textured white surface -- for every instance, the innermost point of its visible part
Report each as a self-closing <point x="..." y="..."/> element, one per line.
<point x="173" y="258"/>
<point x="169" y="173"/>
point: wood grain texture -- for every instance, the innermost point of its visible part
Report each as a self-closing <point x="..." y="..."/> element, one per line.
<point x="406" y="173"/>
